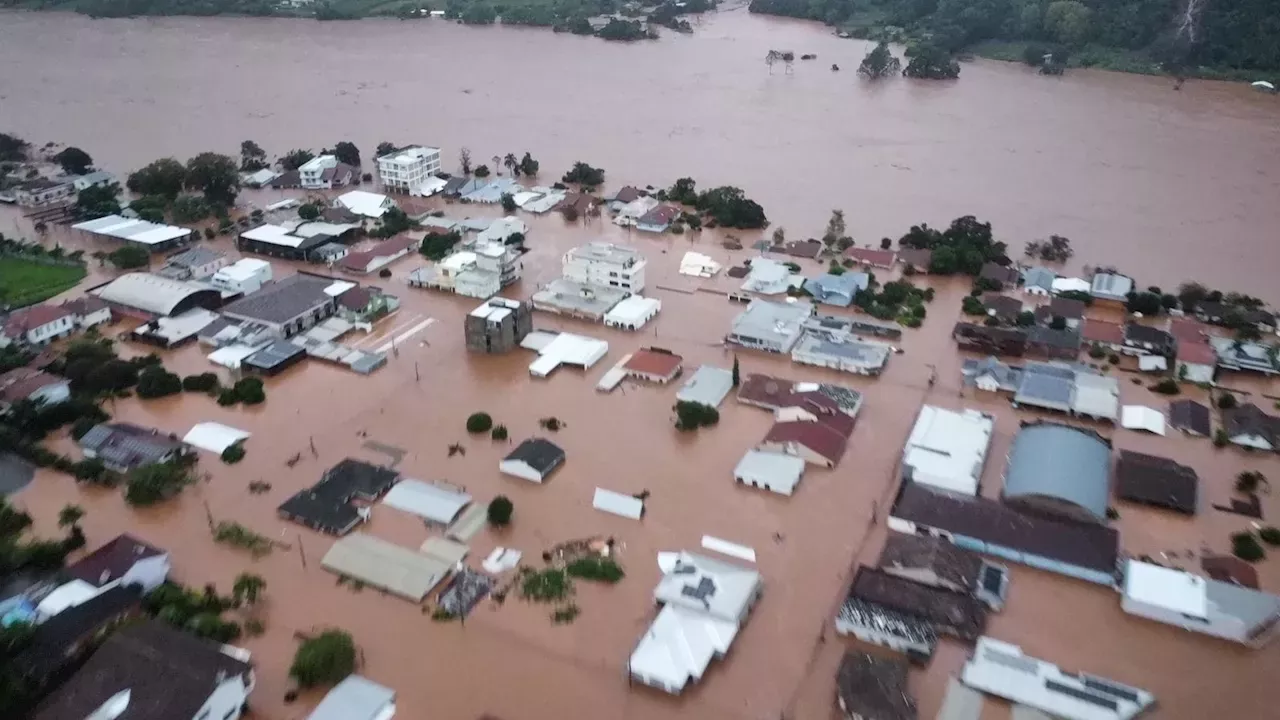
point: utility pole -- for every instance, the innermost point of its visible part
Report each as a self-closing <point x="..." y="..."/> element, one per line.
<point x="301" y="553"/>
<point x="208" y="514"/>
<point x="417" y="376"/>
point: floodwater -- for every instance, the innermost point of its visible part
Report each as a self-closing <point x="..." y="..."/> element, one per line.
<point x="1167" y="184"/>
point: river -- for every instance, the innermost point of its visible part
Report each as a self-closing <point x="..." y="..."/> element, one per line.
<point x="1166" y="184"/>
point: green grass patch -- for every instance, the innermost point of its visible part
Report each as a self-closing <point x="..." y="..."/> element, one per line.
<point x="594" y="567"/>
<point x="26" y="282"/>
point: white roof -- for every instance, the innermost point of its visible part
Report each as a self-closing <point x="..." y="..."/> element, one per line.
<point x="1096" y="395"/>
<point x="568" y="349"/>
<point x="147" y="292"/>
<point x="495" y="309"/>
<point x="66" y="596"/>
<point x="501" y="560"/>
<point x="679" y="646"/>
<point x="635" y="309"/>
<point x="433" y="502"/>
<point x="139" y="231"/>
<point x="458" y="261"/>
<point x="430" y="185"/>
<point x="261" y="177"/>
<point x="384" y="565"/>
<point x="502" y="229"/>
<point x="724" y="547"/>
<point x="1067" y="284"/>
<point x="307" y="230"/>
<point x="1000" y="668"/>
<point x="1152" y="363"/>
<point x="1166" y="588"/>
<point x="274" y="234"/>
<point x="618" y="504"/>
<point x="242" y="269"/>
<point x="214" y="437"/>
<point x="1140" y="417"/>
<point x="947" y="449"/>
<point x="230" y="356"/>
<point x="356" y="698"/>
<point x="724" y="590"/>
<point x="410" y="155"/>
<point x="698" y="265"/>
<point x="337" y="287"/>
<point x="779" y="471"/>
<point x="364" y="203"/>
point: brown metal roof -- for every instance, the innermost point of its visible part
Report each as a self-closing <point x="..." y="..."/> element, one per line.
<point x="111" y="561"/>
<point x="654" y="362"/>
<point x="952" y="564"/>
<point x="874" y="687"/>
<point x="817" y="437"/>
<point x="1154" y="480"/>
<point x="958" y="614"/>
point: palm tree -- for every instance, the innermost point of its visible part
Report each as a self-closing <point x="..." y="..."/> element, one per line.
<point x="497" y="162"/>
<point x="511" y="163"/>
<point x="70" y="515"/>
<point x="248" y="588"/>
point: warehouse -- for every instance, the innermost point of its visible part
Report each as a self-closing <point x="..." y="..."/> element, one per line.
<point x="383" y="565"/>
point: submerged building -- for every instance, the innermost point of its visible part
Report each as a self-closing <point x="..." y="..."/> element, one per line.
<point x="498" y="325"/>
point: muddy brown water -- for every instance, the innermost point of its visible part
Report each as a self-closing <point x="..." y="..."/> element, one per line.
<point x="1167" y="184"/>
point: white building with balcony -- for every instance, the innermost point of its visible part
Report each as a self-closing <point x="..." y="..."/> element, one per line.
<point x="606" y="265"/>
<point x="245" y="275"/>
<point x="479" y="272"/>
<point x="311" y="174"/>
<point x="411" y="170"/>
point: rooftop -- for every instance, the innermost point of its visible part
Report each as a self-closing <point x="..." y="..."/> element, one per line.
<point x="53" y="643"/>
<point x="1003" y="274"/>
<point x="679" y="645"/>
<point x="948" y="449"/>
<point x="961" y="615"/>
<point x="138" y="231"/>
<point x="127" y="445"/>
<point x="850" y="352"/>
<point x="1190" y="416"/>
<point x="1154" y="480"/>
<point x="283" y="300"/>
<point x="605" y="252"/>
<point x="20" y="383"/>
<point x="356" y="698"/>
<point x="650" y="361"/>
<point x="874" y="688"/>
<point x="1194" y="597"/>
<point x="110" y="562"/>
<point x="769" y="277"/>
<point x="374" y="561"/>
<point x="780" y="472"/>
<point x="410" y="155"/>
<point x="708" y="385"/>
<point x="538" y="453"/>
<point x="150" y="293"/>
<point x="1111" y="286"/>
<point x="195" y="257"/>
<point x="563" y="349"/>
<point x="719" y="589"/>
<point x="837" y="289"/>
<point x="1249" y="419"/>
<point x="952" y="564"/>
<point x="367" y="204"/>
<point x="1067" y="466"/>
<point x="817" y="437"/>
<point x="872" y="256"/>
<point x="772" y="322"/>
<point x="561" y="295"/>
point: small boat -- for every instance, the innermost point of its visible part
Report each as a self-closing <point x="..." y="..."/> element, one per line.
<point x="1263" y="85"/>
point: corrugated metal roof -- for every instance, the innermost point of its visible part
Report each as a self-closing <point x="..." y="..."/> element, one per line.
<point x="1061" y="462"/>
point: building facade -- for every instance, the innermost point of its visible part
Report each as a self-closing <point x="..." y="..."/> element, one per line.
<point x="498" y="325"/>
<point x="311" y="174"/>
<point x="406" y="170"/>
<point x="606" y="264"/>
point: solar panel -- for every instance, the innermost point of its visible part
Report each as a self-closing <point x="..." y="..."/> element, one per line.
<point x="1079" y="694"/>
<point x="992" y="579"/>
<point x="1012" y="662"/>
<point x="705" y="588"/>
<point x="1111" y="689"/>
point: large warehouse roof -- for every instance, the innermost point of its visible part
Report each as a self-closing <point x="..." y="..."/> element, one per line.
<point x="149" y="293"/>
<point x="1068" y="465"/>
<point x="383" y="565"/>
<point x="139" y="231"/>
<point x="947" y="449"/>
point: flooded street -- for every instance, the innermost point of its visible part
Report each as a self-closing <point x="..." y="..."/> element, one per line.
<point x="1163" y="184"/>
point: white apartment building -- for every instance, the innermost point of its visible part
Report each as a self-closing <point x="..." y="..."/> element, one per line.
<point x="311" y="175"/>
<point x="246" y="275"/>
<point x="479" y="272"/>
<point x="407" y="170"/>
<point x="607" y="265"/>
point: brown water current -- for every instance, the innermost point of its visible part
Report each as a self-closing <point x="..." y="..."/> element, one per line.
<point x="1165" y="184"/>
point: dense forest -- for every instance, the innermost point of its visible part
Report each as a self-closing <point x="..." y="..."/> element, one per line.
<point x="1177" y="34"/>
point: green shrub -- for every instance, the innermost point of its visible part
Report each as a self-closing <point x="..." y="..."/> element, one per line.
<point x="1096" y="352"/>
<point x="500" y="510"/>
<point x="204" y="382"/>
<point x="1246" y="547"/>
<point x="1248" y="481"/>
<point x="594" y="567"/>
<point x="1227" y="401"/>
<point x="547" y="585"/>
<point x="156" y="382"/>
<point x="479" y="422"/>
<point x="82" y="426"/>
<point x="1168" y="386"/>
<point x="249" y="391"/>
<point x="324" y="659"/>
<point x="565" y="615"/>
<point x="1114" y="359"/>
<point x="1220" y="438"/>
<point x="228" y="397"/>
<point x="233" y="454"/>
<point x="693" y="415"/>
<point x="1270" y="535"/>
<point x="253" y="627"/>
<point x="499" y="432"/>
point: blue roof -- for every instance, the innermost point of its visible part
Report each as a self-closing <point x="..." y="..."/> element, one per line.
<point x="1064" y="463"/>
<point x="837" y="289"/>
<point x="1039" y="277"/>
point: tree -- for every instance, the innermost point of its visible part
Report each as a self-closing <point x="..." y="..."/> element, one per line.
<point x="248" y="589"/>
<point x="729" y="207"/>
<point x="1245" y="546"/>
<point x="324" y="659"/>
<point x="190" y="209"/>
<point x="779" y="236"/>
<point x="1069" y="21"/>
<point x="515" y="238"/>
<point x="250" y="391"/>
<point x="1190" y="295"/>
<point x="478" y="14"/>
<point x="500" y="510"/>
<point x="96" y="201"/>
<point x="214" y="175"/>
<point x="511" y="164"/>
<point x="13" y="148"/>
<point x="70" y="515"/>
<point x="1026" y="318"/>
<point x="233" y="453"/>
<point x="479" y="422"/>
<point x="835" y="228"/>
<point x="384" y="149"/>
<point x="879" y="63"/>
<point x="737" y="377"/>
<point x="482" y="171"/>
<point x="1146" y="303"/>
<point x="693" y="415"/>
<point x="436" y="245"/>
<point x="464" y="159"/>
<point x="153" y="483"/>
<point x="74" y="161"/>
<point x="128" y="257"/>
<point x="508" y="203"/>
<point x="931" y="62"/>
<point x="252" y="157"/>
<point x="308" y="211"/>
<point x="204" y="382"/>
<point x="585" y="175"/>
<point x="156" y="382"/>
<point x="295" y="159"/>
<point x="528" y="165"/>
<point x="163" y="178"/>
<point x="347" y="153"/>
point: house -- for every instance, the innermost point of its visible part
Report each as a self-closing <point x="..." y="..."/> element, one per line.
<point x="990" y="340"/>
<point x="605" y="264"/>
<point x="196" y="263"/>
<point x="533" y="460"/>
<point x="1086" y="551"/>
<point x="1048" y="342"/>
<point x="97" y="178"/>
<point x="1004" y="308"/>
<point x="1230" y="569"/>
<point x="556" y="349"/>
<point x="1196" y="362"/>
<point x="301" y="240"/>
<point x="25" y="384"/>
<point x="88" y="311"/>
<point x="769" y="277"/>
<point x="409" y="170"/>
<point x="244" y="276"/>
<point x="654" y="365"/>
<point x="36" y="325"/>
<point x="290" y="305"/>
<point x="286" y="180"/>
<point x="498" y="325"/>
<point x="576" y="299"/>
<point x="626" y="215"/>
<point x="1002" y="669"/>
<point x="870" y="257"/>
<point x="381" y="254"/>
<point x="1111" y="287"/>
<point x="1146" y="340"/>
<point x="1246" y="356"/>
<point x="957" y="614"/>
<point x="1156" y="481"/>
<point x="481" y="272"/>
<point x="1106" y="335"/>
<point x="632" y="313"/>
<point x="775" y="394"/>
<point x="365" y="304"/>
<point x="279" y="355"/>
<point x="491" y="192"/>
<point x="1198" y="604"/>
<point x="324" y="172"/>
<point x="1071" y="389"/>
<point x="152" y="671"/>
<point x="328" y="505"/>
<point x="1059" y="470"/>
<point x="461" y="185"/>
<point x="578" y="205"/>
<point x="705" y="602"/>
<point x="437" y="502"/>
<point x="1249" y="427"/>
<point x="63" y="641"/>
<point x="259" y="178"/>
<point x="124" y="560"/>
<point x="150" y="296"/>
<point x="777" y="472"/>
<point x="869" y="687"/>
<point x="1190" y="417"/>
<point x="1038" y="281"/>
<point x="400" y="571"/>
<point x="627" y="194"/>
<point x="500" y="231"/>
<point x="801" y="249"/>
<point x="938" y="563"/>
<point x="356" y="697"/>
<point x="816" y="442"/>
<point x="1002" y="276"/>
<point x="882" y="625"/>
<point x="947" y="449"/>
<point x="709" y="385"/>
<point x="364" y="204"/>
<point x="122" y="447"/>
<point x="915" y="260"/>
<point x="658" y="219"/>
<point x="838" y="290"/>
<point x="840" y="350"/>
<point x="770" y="326"/>
<point x="44" y="191"/>
<point x="1070" y="310"/>
<point x="990" y="375"/>
<point x="1223" y="314"/>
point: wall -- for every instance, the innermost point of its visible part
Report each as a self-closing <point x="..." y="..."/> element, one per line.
<point x="148" y="572"/>
<point x="519" y="469"/>
<point x="1217" y="625"/>
<point x="883" y="639"/>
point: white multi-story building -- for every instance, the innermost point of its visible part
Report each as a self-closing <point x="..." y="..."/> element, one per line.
<point x="311" y="174"/>
<point x="606" y="265"/>
<point x="409" y="169"/>
<point x="245" y="275"/>
<point x="479" y="272"/>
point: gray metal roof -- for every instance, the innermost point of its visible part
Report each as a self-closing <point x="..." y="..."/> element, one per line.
<point x="1039" y="277"/>
<point x="283" y="300"/>
<point x="709" y="385"/>
<point x="150" y="293"/>
<point x="1251" y="607"/>
<point x="1062" y="462"/>
<point x="1045" y="388"/>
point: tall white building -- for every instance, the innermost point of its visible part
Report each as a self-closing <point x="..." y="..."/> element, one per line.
<point x="607" y="265"/>
<point x="311" y="173"/>
<point x="948" y="449"/>
<point x="406" y="170"/>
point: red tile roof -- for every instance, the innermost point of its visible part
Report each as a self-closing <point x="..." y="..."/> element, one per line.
<point x="33" y="317"/>
<point x="1188" y="331"/>
<point x="359" y="261"/>
<point x="817" y="437"/>
<point x="1225" y="568"/>
<point x="654" y="362"/>
<point x="872" y="257"/>
<point x="765" y="390"/>
<point x="111" y="561"/>
<point x="19" y="383"/>
<point x="1197" y="353"/>
<point x="1103" y="332"/>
